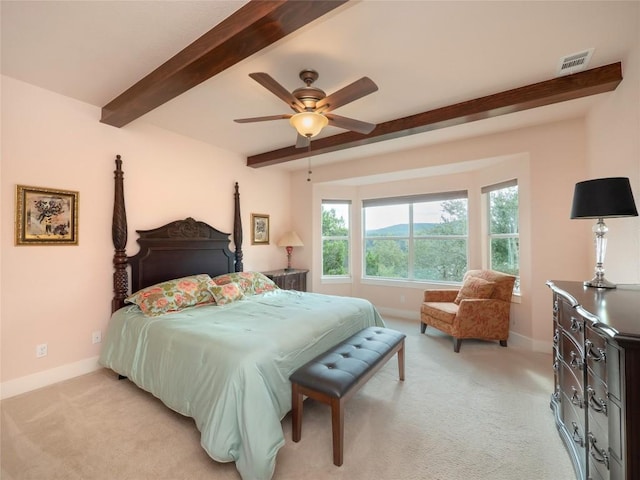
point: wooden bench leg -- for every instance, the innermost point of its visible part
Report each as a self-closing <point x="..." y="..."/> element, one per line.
<point x="401" y="361"/>
<point x="337" y="427"/>
<point x="296" y="412"/>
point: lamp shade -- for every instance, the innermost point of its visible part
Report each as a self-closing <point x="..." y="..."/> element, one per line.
<point x="308" y="124"/>
<point x="603" y="198"/>
<point x="290" y="239"/>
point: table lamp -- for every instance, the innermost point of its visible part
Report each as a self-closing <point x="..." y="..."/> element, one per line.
<point x="602" y="198"/>
<point x="290" y="240"/>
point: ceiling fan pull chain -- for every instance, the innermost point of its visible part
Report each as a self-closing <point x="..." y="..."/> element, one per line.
<point x="309" y="172"/>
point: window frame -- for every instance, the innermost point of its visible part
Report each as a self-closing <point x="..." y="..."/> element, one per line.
<point x="346" y="238"/>
<point x="411" y="238"/>
<point x="486" y="191"/>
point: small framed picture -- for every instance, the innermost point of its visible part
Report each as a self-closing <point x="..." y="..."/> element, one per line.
<point x="45" y="216"/>
<point x="259" y="229"/>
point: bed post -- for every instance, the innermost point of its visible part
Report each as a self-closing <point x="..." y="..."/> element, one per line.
<point x="119" y="236"/>
<point x="237" y="230"/>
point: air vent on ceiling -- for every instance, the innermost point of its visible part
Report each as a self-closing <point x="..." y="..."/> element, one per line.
<point x="575" y="62"/>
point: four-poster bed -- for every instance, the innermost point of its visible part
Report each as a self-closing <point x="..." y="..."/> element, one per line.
<point x="225" y="363"/>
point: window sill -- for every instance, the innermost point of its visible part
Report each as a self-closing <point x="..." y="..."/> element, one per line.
<point x="337" y="280"/>
<point x="417" y="284"/>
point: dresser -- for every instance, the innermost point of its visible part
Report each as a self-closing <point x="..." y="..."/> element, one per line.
<point x="596" y="367"/>
<point x="293" y="279"/>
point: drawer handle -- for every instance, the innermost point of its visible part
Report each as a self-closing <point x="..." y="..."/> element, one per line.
<point x="556" y="337"/>
<point x="556" y="366"/>
<point x="575" y="361"/>
<point x="555" y="306"/>
<point x="575" y="398"/>
<point x="576" y="326"/>
<point x="576" y="435"/>
<point x="597" y="404"/>
<point x="599" y="455"/>
<point x="595" y="354"/>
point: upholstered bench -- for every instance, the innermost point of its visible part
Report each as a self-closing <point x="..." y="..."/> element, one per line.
<point x="334" y="376"/>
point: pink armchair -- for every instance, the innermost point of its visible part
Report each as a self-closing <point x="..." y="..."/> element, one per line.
<point x="479" y="309"/>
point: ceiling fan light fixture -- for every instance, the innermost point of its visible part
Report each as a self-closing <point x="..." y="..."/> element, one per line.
<point x="308" y="124"/>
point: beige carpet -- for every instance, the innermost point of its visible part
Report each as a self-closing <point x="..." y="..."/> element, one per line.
<point x="480" y="414"/>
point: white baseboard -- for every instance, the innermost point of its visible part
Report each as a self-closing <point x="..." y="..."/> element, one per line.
<point x="515" y="339"/>
<point x="396" y="313"/>
<point x="28" y="383"/>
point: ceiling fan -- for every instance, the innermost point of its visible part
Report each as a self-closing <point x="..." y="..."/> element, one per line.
<point x="312" y="105"/>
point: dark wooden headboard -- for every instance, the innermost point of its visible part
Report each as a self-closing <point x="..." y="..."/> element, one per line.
<point x="177" y="249"/>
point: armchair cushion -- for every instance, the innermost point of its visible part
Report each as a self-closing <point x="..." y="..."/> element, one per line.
<point x="445" y="312"/>
<point x="475" y="287"/>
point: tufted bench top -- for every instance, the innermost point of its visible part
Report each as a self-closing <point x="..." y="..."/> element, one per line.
<point x="337" y="370"/>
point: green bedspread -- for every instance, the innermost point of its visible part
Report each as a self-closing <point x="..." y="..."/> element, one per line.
<point x="228" y="366"/>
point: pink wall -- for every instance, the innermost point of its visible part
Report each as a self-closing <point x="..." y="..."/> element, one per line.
<point x="613" y="149"/>
<point x="59" y="295"/>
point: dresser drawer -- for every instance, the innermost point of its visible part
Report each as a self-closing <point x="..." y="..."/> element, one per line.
<point x="614" y="371"/>
<point x="557" y="301"/>
<point x="571" y="352"/>
<point x="597" y="398"/>
<point x="598" y="448"/>
<point x="596" y="353"/>
<point x="571" y="322"/>
<point x="571" y="385"/>
<point x="573" y="419"/>
<point x="556" y="335"/>
<point x="616" y="432"/>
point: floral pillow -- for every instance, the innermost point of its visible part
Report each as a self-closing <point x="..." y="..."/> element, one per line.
<point x="227" y="293"/>
<point x="173" y="295"/>
<point x="250" y="283"/>
<point x="475" y="287"/>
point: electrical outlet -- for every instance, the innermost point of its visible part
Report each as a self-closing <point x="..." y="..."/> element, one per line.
<point x="41" y="350"/>
<point x="96" y="337"/>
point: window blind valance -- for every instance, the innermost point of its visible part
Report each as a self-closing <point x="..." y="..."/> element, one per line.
<point x="421" y="198"/>
<point x="499" y="186"/>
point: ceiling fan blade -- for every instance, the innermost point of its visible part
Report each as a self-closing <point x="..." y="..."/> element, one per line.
<point x="350" y="124"/>
<point x="278" y="90"/>
<point x="351" y="92"/>
<point x="302" y="141"/>
<point x="263" y="119"/>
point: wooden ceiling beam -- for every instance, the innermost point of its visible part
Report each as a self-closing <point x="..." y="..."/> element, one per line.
<point x="253" y="27"/>
<point x="570" y="87"/>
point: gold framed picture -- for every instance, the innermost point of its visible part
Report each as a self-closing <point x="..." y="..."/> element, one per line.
<point x="45" y="216"/>
<point x="259" y="229"/>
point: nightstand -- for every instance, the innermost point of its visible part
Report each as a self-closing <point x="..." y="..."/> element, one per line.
<point x="293" y="279"/>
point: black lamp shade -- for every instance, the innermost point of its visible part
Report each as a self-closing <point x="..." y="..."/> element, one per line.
<point x="603" y="198"/>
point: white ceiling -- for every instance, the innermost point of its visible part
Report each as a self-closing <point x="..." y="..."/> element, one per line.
<point x="422" y="55"/>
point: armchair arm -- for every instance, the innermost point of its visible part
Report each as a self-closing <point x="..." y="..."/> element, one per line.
<point x="440" y="295"/>
<point x="479" y="318"/>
